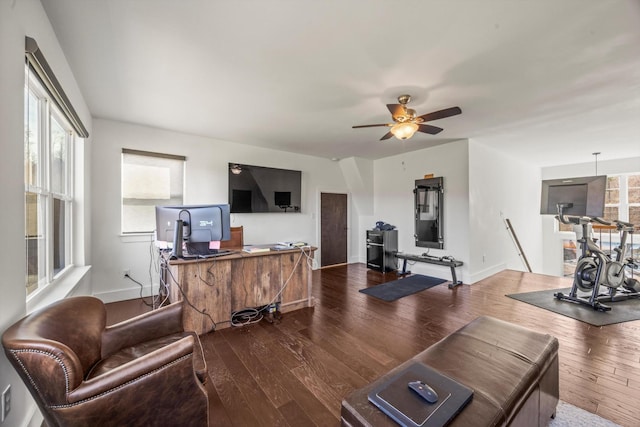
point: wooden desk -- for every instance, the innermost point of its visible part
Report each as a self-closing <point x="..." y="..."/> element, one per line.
<point x="219" y="286"/>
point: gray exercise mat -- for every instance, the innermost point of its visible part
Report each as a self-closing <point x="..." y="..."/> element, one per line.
<point x="621" y="311"/>
<point x="392" y="291"/>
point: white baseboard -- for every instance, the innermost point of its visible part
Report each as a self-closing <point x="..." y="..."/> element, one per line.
<point x="479" y="275"/>
<point x="34" y="418"/>
<point x="126" y="294"/>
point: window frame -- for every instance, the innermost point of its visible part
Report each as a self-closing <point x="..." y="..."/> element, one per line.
<point x="623" y="204"/>
<point x="48" y="111"/>
<point x="172" y="200"/>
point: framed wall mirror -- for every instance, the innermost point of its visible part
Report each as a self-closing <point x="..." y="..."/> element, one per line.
<point x="428" y="203"/>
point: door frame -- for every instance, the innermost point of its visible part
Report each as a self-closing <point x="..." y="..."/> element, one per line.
<point x="318" y="216"/>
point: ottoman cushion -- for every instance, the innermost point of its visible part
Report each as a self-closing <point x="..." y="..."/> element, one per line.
<point x="512" y="370"/>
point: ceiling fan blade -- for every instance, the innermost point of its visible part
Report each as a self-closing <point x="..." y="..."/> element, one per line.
<point x="386" y="136"/>
<point x="436" y="115"/>
<point x="432" y="130"/>
<point x="397" y="110"/>
<point x="370" y="126"/>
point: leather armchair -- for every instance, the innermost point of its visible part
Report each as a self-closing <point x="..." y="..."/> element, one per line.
<point x="146" y="371"/>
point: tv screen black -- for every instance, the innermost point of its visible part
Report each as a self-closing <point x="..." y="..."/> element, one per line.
<point x="202" y="223"/>
<point x="282" y="198"/>
<point x="263" y="189"/>
<point x="586" y="196"/>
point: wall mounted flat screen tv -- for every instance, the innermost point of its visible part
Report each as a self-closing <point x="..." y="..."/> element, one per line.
<point x="583" y="196"/>
<point x="263" y="189"/>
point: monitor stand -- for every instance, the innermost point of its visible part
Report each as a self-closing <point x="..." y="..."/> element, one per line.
<point x="176" y="252"/>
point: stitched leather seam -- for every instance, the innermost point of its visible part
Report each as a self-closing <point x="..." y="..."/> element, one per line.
<point x="45" y="353"/>
<point x="71" y="405"/>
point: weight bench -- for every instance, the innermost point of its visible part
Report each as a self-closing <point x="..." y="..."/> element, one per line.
<point x="512" y="370"/>
<point x="431" y="260"/>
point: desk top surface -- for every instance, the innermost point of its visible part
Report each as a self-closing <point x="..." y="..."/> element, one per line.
<point x="240" y="253"/>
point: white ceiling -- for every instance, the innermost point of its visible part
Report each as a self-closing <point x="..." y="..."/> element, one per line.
<point x="549" y="80"/>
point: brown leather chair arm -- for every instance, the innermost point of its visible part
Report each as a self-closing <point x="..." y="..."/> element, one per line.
<point x="137" y="370"/>
<point x="47" y="359"/>
<point x="199" y="363"/>
<point x="154" y="324"/>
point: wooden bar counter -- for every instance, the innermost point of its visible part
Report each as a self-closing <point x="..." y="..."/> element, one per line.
<point x="222" y="285"/>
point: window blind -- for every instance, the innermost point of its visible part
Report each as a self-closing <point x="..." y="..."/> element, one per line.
<point x="40" y="66"/>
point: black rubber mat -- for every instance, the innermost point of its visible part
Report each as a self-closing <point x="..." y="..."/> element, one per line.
<point x="621" y="311"/>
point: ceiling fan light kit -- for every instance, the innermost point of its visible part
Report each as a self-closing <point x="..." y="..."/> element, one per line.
<point x="404" y="130"/>
<point x="406" y="123"/>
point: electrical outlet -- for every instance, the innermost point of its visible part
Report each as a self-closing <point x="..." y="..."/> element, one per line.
<point x="6" y="402"/>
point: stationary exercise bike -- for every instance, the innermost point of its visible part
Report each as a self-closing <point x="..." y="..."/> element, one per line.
<point x="595" y="268"/>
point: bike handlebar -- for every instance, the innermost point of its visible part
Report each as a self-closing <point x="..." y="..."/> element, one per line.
<point x="622" y="224"/>
<point x="600" y="220"/>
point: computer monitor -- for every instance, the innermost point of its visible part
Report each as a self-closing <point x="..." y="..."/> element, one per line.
<point x="201" y="224"/>
<point x="583" y="196"/>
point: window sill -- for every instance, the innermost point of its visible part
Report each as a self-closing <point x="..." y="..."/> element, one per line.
<point x="137" y="237"/>
<point x="58" y="290"/>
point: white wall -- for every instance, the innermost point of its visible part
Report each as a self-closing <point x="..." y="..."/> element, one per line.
<point x="358" y="175"/>
<point x="17" y="20"/>
<point x="394" y="181"/>
<point x="482" y="187"/>
<point x="502" y="187"/>
<point x="606" y="167"/>
<point x="206" y="182"/>
<point x="552" y="263"/>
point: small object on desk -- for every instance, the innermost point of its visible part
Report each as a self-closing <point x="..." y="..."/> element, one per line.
<point x="214" y="253"/>
<point x="424" y="391"/>
<point x="280" y="247"/>
<point x="290" y="245"/>
<point x="255" y="249"/>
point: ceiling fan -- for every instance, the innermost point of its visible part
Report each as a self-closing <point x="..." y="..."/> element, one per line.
<point x="406" y="123"/>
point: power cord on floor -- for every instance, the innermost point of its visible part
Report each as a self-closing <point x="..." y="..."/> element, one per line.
<point x="152" y="304"/>
<point x="246" y="316"/>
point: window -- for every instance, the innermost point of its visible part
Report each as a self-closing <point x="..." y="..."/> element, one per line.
<point x="149" y="179"/>
<point x="622" y="201"/>
<point x="52" y="127"/>
<point x="612" y="198"/>
<point x="48" y="186"/>
<point x="633" y="199"/>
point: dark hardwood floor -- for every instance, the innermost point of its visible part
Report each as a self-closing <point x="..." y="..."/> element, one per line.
<point x="297" y="372"/>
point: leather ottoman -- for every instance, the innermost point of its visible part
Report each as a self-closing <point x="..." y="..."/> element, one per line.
<point x="512" y="370"/>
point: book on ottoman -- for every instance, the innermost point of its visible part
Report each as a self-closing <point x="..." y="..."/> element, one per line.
<point x="405" y="406"/>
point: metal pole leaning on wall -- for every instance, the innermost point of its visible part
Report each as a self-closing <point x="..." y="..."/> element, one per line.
<point x="512" y="233"/>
